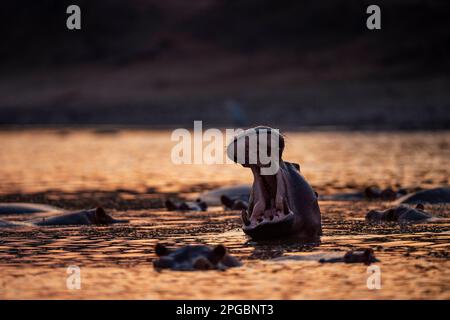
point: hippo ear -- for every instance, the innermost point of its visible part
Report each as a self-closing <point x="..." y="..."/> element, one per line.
<point x="226" y="201"/>
<point x="100" y="212"/>
<point x="170" y="206"/>
<point x="219" y="252"/>
<point x="161" y="250"/>
<point x="420" y="206"/>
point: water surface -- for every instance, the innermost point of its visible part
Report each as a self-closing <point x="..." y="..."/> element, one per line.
<point x="130" y="173"/>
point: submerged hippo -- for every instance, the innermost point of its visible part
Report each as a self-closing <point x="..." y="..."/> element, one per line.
<point x="399" y="214"/>
<point x="198" y="257"/>
<point x="228" y="194"/>
<point x="432" y="196"/>
<point x="197" y="205"/>
<point x="97" y="216"/>
<point x="282" y="204"/>
<point x="366" y="256"/>
<point x="233" y="204"/>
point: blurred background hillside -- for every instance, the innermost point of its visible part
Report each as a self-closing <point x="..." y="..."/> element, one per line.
<point x="300" y="63"/>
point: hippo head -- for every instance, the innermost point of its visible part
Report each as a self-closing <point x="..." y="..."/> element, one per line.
<point x="198" y="257"/>
<point x="99" y="216"/>
<point x="399" y="213"/>
<point x="282" y="204"/>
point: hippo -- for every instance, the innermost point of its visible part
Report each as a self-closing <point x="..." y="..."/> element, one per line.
<point x="368" y="193"/>
<point x="366" y="256"/>
<point x="431" y="196"/>
<point x="400" y="214"/>
<point x="281" y="204"/>
<point x="231" y="194"/>
<point x="97" y="216"/>
<point x="197" y="205"/>
<point x="194" y="257"/>
<point x="233" y="204"/>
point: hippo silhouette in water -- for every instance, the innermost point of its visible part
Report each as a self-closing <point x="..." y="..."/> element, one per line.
<point x="194" y="257"/>
<point x="400" y="214"/>
<point x="197" y="205"/>
<point x="366" y="256"/>
<point x="97" y="216"/>
<point x="231" y="198"/>
<point x="282" y="204"/>
<point x="431" y="196"/>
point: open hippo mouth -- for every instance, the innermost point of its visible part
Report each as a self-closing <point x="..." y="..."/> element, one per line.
<point x="282" y="204"/>
<point x="269" y="213"/>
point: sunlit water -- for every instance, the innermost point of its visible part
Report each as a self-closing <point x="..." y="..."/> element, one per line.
<point x="116" y="261"/>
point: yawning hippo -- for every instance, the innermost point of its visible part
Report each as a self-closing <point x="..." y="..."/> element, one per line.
<point x="199" y="257"/>
<point x="282" y="204"/>
<point x="399" y="214"/>
<point x="96" y="216"/>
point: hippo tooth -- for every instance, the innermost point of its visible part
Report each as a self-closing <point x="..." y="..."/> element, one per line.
<point x="259" y="195"/>
<point x="281" y="191"/>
